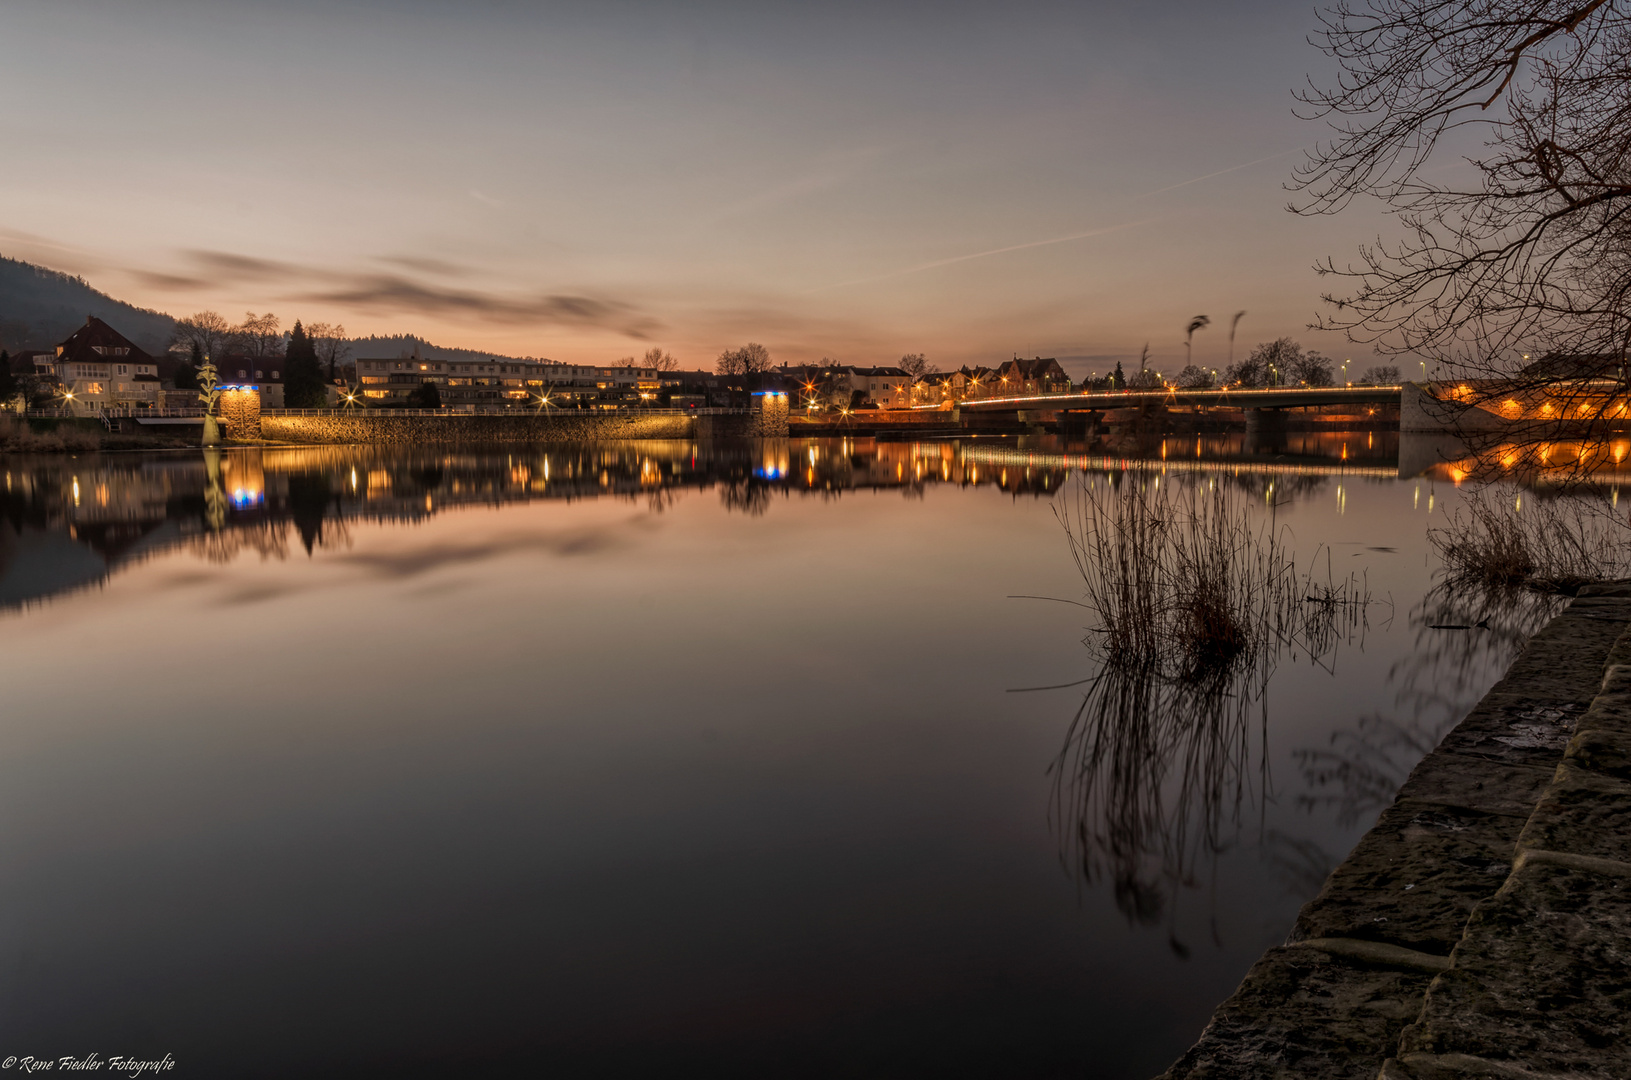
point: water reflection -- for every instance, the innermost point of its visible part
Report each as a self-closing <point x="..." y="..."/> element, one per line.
<point x="1435" y="684"/>
<point x="1196" y="601"/>
<point x="1163" y="764"/>
<point x="68" y="522"/>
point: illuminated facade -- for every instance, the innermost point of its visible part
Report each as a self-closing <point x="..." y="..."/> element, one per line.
<point x="99" y="368"/>
<point x="497" y="381"/>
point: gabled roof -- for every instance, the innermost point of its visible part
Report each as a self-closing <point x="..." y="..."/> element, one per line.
<point x="82" y="345"/>
<point x="1035" y="368"/>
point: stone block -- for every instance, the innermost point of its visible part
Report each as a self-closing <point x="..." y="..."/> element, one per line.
<point x="1582" y="812"/>
<point x="1541" y="984"/>
<point x="1602" y="742"/>
<point x="1415" y="878"/>
<point x="1477" y="783"/>
<point x="1620" y="589"/>
<point x="1519" y="729"/>
<point x="1304" y="1013"/>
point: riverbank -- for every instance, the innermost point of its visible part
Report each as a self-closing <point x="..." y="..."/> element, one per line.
<point x="1482" y="928"/>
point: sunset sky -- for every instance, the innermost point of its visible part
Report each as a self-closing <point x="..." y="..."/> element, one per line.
<point x="584" y="181"/>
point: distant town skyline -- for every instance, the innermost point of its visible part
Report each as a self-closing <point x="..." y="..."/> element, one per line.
<point x="586" y="181"/>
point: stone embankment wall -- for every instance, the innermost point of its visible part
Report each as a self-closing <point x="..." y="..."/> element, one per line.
<point x="1421" y="410"/>
<point x="240" y="412"/>
<point x="1483" y="927"/>
<point x="366" y="426"/>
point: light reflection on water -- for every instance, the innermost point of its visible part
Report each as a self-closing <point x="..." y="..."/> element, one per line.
<point x="657" y="759"/>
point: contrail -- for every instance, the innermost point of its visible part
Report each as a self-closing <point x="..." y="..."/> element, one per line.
<point x="1057" y="239"/>
<point x="1220" y="172"/>
<point x="993" y="251"/>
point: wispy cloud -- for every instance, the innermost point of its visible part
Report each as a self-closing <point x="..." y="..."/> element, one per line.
<point x="392" y="293"/>
<point x="388" y="293"/>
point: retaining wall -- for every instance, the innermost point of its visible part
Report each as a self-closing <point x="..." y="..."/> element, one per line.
<point x="1482" y="928"/>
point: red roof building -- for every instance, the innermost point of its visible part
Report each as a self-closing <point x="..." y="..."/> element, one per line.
<point x="100" y="368"/>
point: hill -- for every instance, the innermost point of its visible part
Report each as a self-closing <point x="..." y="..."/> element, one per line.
<point x="377" y="347"/>
<point x="40" y="307"/>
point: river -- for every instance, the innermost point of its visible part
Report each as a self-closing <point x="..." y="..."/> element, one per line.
<point x="664" y="759"/>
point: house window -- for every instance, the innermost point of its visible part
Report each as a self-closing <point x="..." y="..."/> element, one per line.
<point x="259" y="374"/>
<point x="93" y="388"/>
<point x="123" y="370"/>
<point x="242" y="374"/>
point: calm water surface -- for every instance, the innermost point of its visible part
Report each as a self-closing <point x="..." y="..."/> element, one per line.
<point x="656" y="759"/>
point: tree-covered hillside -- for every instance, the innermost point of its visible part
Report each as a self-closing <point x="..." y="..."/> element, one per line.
<point x="377" y="347"/>
<point x="40" y="307"/>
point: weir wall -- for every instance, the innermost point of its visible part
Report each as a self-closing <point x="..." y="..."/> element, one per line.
<point x="367" y="426"/>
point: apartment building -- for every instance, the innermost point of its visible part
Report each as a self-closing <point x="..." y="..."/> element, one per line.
<point x="516" y="383"/>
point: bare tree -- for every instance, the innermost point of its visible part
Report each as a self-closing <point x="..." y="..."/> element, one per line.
<point x="1144" y="378"/>
<point x="1194" y="378"/>
<point x="331" y="344"/>
<point x="205" y="333"/>
<point x="1272" y="363"/>
<point x="917" y="365"/>
<point x="258" y="335"/>
<point x="1523" y="248"/>
<point x="750" y="359"/>
<point x="658" y="360"/>
<point x="1309" y="368"/>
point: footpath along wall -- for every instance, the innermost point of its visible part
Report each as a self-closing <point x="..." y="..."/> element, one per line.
<point x="381" y="426"/>
<point x="1483" y="927"/>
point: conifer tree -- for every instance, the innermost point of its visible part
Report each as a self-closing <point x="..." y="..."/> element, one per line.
<point x="302" y="373"/>
<point x="186" y="376"/>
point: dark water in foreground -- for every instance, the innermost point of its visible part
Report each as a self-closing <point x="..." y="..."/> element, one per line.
<point x="651" y="759"/>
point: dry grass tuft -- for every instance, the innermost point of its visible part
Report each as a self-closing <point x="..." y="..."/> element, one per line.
<point x="1554" y="545"/>
<point x="17" y="437"/>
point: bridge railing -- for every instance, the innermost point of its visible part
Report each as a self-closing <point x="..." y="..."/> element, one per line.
<point x="1242" y="396"/>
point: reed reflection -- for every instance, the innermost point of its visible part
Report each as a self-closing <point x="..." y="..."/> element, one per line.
<point x="1510" y="557"/>
<point x="1197" y="600"/>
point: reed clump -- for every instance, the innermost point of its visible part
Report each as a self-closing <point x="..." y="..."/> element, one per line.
<point x="1180" y="581"/>
<point x="1498" y="541"/>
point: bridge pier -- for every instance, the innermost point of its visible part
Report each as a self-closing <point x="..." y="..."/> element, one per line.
<point x="1265" y="429"/>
